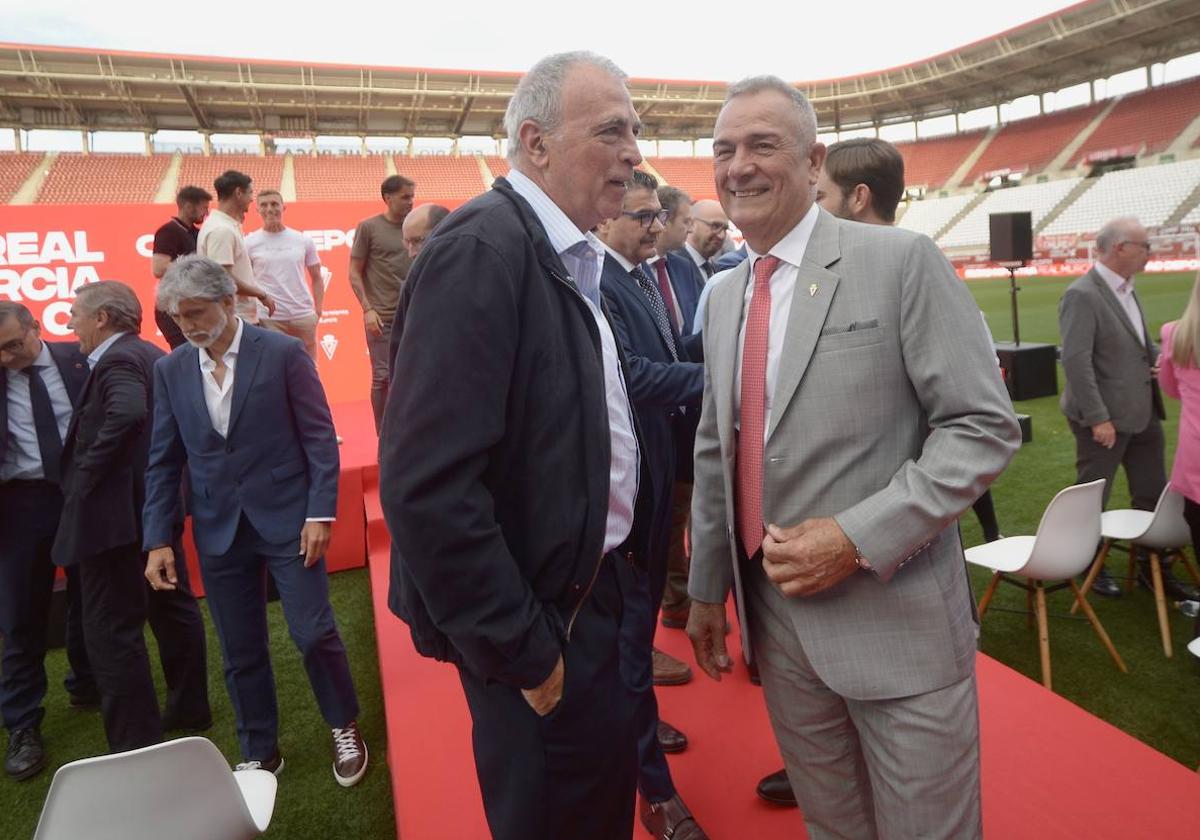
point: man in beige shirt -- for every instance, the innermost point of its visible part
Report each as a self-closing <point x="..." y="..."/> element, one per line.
<point x="222" y="242"/>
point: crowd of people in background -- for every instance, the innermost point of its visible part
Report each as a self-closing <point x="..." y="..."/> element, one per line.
<point x="597" y="413"/>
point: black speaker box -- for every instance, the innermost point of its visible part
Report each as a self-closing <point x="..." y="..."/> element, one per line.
<point x="1011" y="237"/>
<point x="1030" y="370"/>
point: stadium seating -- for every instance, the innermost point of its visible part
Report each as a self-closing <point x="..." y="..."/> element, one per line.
<point x="1148" y="120"/>
<point x="693" y="175"/>
<point x="265" y="172"/>
<point x="1030" y="144"/>
<point x="440" y="176"/>
<point x="1193" y="216"/>
<point x="1038" y="199"/>
<point x="930" y="163"/>
<point x="932" y="214"/>
<point x="497" y="165"/>
<point x="103" y="179"/>
<point x="1151" y="193"/>
<point x="15" y="169"/>
<point x="338" y="177"/>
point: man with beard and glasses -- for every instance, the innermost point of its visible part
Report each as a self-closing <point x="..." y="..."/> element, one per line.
<point x="243" y="409"/>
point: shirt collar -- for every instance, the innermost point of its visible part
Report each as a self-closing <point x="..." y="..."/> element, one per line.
<point x="563" y="233"/>
<point x="206" y="361"/>
<point x="621" y="261"/>
<point x="94" y="357"/>
<point x="44" y="359"/>
<point x="694" y="254"/>
<point x="791" y="248"/>
<point x="1115" y="281"/>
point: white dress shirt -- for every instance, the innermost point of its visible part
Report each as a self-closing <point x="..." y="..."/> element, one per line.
<point x="102" y="348"/>
<point x="583" y="256"/>
<point x="23" y="458"/>
<point x="1123" y="289"/>
<point x="790" y="251"/>
<point x="218" y="398"/>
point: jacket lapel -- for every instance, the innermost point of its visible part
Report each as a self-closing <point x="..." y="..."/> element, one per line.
<point x="634" y="289"/>
<point x="243" y="376"/>
<point x="726" y="326"/>
<point x="811" y="299"/>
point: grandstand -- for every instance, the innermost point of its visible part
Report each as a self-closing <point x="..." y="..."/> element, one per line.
<point x="932" y="215"/>
<point x="1151" y="193"/>
<point x="692" y="175"/>
<point x="1038" y="199"/>
<point x="930" y="163"/>
<point x="449" y="178"/>
<point x="265" y="171"/>
<point x="1027" y="146"/>
<point x="1144" y="123"/>
<point x="339" y="178"/>
<point x="103" y="179"/>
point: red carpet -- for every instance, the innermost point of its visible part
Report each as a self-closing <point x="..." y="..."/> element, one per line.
<point x="1050" y="769"/>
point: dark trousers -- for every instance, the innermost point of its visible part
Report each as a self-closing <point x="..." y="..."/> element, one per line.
<point x="675" y="597"/>
<point x="178" y="626"/>
<point x="1140" y="454"/>
<point x="985" y="512"/>
<point x="641" y="594"/>
<point x="378" y="348"/>
<point x="29" y="512"/>
<point x="571" y="774"/>
<point x="236" y="587"/>
<point x="113" y="590"/>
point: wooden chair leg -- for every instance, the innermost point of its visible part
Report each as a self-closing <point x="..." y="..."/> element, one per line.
<point x="1160" y="601"/>
<point x="1097" y="565"/>
<point x="1190" y="565"/>
<point x="987" y="595"/>
<point x="1098" y="627"/>
<point x="1043" y="633"/>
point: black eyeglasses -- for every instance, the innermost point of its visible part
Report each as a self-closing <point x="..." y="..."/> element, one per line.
<point x="716" y="226"/>
<point x="646" y="218"/>
<point x="1145" y="246"/>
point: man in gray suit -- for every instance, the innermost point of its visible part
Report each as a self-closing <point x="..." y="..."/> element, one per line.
<point x="852" y="410"/>
<point x="1111" y="398"/>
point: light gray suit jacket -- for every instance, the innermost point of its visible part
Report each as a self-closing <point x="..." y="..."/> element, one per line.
<point x="889" y="415"/>
<point x="1106" y="365"/>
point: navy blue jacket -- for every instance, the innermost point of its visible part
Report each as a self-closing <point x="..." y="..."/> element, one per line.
<point x="495" y="450"/>
<point x="278" y="466"/>
<point x="687" y="280"/>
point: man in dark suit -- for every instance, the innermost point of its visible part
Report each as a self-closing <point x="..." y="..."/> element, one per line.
<point x="243" y="408"/>
<point x="661" y="380"/>
<point x="1110" y="395"/>
<point x="709" y="227"/>
<point x="509" y="463"/>
<point x="679" y="279"/>
<point x="39" y="383"/>
<point x="104" y="463"/>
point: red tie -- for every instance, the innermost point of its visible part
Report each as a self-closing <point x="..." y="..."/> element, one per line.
<point x="753" y="409"/>
<point x="664" y="288"/>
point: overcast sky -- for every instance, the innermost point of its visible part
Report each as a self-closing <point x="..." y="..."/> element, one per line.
<point x="679" y="40"/>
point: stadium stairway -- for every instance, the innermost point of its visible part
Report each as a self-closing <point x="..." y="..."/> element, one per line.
<point x="1069" y="150"/>
<point x="1069" y="199"/>
<point x="28" y="191"/>
<point x="1186" y="206"/>
<point x="1187" y="138"/>
<point x="170" y="182"/>
<point x="964" y="169"/>
<point x="287" y="179"/>
<point x="484" y="172"/>
<point x="961" y="214"/>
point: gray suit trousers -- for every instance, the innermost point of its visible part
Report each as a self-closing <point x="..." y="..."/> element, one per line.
<point x="863" y="769"/>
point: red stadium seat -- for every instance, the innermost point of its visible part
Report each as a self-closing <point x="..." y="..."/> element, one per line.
<point x="1148" y="120"/>
<point x="443" y="177"/>
<point x="339" y="177"/>
<point x="15" y="169"/>
<point x="930" y="163"/>
<point x="103" y="179"/>
<point x="200" y="171"/>
<point x="1029" y="145"/>
<point x="693" y="175"/>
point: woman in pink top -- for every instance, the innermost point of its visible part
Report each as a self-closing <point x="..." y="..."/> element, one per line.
<point x="1179" y="376"/>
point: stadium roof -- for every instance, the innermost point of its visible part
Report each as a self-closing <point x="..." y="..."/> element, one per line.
<point x="44" y="87"/>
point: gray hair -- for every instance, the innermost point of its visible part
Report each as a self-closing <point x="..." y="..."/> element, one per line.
<point x="193" y="276"/>
<point x="114" y="298"/>
<point x="12" y="309"/>
<point x="804" y="108"/>
<point x="538" y="96"/>
<point x="1112" y="233"/>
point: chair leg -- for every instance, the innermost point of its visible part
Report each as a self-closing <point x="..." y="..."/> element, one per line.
<point x="1160" y="601"/>
<point x="1190" y="565"/>
<point x="1043" y="633"/>
<point x="1097" y="565"/>
<point x="987" y="595"/>
<point x="1098" y="627"/>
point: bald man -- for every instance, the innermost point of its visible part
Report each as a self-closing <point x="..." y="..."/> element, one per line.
<point x="419" y="224"/>
<point x="709" y="226"/>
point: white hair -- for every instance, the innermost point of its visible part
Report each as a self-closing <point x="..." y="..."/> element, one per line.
<point x="193" y="276"/>
<point x="538" y="96"/>
<point x="1111" y="234"/>
<point x="804" y="108"/>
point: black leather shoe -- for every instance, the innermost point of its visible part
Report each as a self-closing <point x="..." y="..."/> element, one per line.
<point x="670" y="820"/>
<point x="777" y="790"/>
<point x="26" y="756"/>
<point x="671" y="739"/>
<point x="1173" y="587"/>
<point x="1105" y="586"/>
<point x="84" y="701"/>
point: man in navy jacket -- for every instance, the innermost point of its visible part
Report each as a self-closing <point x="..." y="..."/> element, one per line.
<point x="243" y="408"/>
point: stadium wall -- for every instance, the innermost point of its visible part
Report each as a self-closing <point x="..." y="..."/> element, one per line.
<point x="48" y="251"/>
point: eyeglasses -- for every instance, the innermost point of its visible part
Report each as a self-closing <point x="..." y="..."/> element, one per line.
<point x="717" y="227"/>
<point x="646" y="218"/>
<point x="1145" y="246"/>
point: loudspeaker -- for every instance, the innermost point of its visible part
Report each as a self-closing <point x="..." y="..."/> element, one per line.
<point x="1011" y="237"/>
<point x="1030" y="370"/>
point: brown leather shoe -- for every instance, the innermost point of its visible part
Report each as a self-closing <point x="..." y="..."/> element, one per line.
<point x="670" y="671"/>
<point x="670" y="820"/>
<point x="349" y="755"/>
<point x="671" y="739"/>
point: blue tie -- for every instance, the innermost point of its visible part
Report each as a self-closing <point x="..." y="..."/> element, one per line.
<point x="49" y="442"/>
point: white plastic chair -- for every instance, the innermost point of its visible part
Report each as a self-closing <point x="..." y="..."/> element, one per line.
<point x="1062" y="549"/>
<point x="1161" y="532"/>
<point x="178" y="790"/>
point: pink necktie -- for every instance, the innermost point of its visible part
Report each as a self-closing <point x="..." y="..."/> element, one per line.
<point x="753" y="409"/>
<point x="664" y="288"/>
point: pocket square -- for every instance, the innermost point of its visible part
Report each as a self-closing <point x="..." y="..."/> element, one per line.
<point x="851" y="327"/>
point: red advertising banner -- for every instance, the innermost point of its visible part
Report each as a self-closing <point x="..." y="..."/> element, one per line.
<point x="49" y="251"/>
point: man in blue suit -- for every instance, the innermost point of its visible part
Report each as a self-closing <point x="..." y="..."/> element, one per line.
<point x="661" y="379"/>
<point x="243" y="408"/>
<point x="679" y="279"/>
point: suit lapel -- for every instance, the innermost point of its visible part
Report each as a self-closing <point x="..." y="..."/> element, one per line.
<point x="636" y="291"/>
<point x="815" y="288"/>
<point x="1110" y="298"/>
<point x="243" y="376"/>
<point x="726" y="324"/>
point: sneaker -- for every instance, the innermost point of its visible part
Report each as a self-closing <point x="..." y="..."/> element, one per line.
<point x="273" y="765"/>
<point x="349" y="755"/>
<point x="26" y="756"/>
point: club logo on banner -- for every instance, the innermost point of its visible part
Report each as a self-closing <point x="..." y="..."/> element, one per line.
<point x="329" y="344"/>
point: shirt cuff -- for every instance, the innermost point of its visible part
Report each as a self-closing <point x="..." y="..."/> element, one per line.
<point x="319" y="519"/>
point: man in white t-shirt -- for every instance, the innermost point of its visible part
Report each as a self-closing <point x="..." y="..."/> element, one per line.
<point x="286" y="264"/>
<point x="222" y="242"/>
